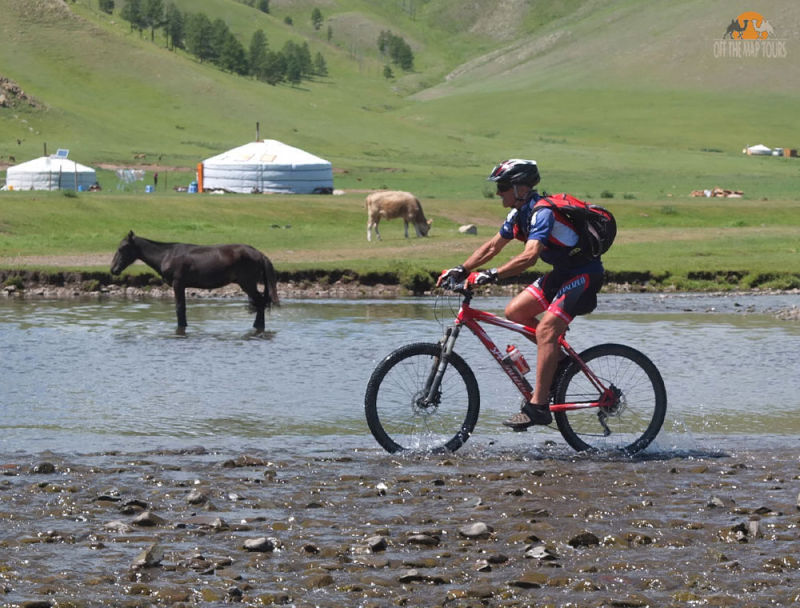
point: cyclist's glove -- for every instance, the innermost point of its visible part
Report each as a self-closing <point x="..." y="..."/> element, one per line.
<point x="483" y="277"/>
<point x="454" y="275"/>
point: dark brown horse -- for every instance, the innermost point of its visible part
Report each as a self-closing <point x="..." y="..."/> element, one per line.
<point x="182" y="265"/>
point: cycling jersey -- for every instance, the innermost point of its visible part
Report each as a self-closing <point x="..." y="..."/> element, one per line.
<point x="552" y="229"/>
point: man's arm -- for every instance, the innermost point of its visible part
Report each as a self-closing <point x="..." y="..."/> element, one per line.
<point x="486" y="252"/>
<point x="523" y="261"/>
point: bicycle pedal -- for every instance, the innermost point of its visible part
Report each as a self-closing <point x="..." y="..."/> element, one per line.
<point x="520" y="429"/>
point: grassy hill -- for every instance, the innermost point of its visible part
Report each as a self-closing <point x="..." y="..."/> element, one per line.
<point x="608" y="95"/>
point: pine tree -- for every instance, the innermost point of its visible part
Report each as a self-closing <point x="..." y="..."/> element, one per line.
<point x="320" y="66"/>
<point x="153" y="15"/>
<point x="316" y="18"/>
<point x="232" y="55"/>
<point x="132" y="12"/>
<point x="274" y="68"/>
<point x="199" y="36"/>
<point x="258" y="54"/>
<point x="174" y="27"/>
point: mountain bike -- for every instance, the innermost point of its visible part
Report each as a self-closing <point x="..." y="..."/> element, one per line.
<point x="424" y="396"/>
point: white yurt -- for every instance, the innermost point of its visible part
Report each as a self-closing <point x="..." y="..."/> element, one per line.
<point x="266" y="166"/>
<point x="50" y="173"/>
<point x="758" y="150"/>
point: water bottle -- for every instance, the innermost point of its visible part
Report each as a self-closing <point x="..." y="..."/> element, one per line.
<point x="515" y="357"/>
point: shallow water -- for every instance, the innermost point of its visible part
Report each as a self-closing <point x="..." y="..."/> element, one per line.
<point x="106" y="414"/>
<point x="86" y="376"/>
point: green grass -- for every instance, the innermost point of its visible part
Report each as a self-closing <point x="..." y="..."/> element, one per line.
<point x="613" y="98"/>
<point x="696" y="237"/>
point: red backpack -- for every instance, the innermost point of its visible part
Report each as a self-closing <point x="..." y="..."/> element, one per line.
<point x="595" y="225"/>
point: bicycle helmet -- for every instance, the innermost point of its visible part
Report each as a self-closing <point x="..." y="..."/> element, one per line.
<point x="516" y="171"/>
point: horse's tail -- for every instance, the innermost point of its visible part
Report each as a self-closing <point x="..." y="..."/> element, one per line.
<point x="270" y="282"/>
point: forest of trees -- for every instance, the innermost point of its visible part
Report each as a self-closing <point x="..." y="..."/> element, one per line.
<point x="396" y="49"/>
<point x="212" y="41"/>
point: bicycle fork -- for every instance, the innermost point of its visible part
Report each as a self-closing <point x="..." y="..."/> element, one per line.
<point x="431" y="393"/>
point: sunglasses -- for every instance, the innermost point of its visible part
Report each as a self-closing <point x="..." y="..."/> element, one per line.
<point x="503" y="187"/>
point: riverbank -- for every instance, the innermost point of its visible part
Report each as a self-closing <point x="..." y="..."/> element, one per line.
<point x="307" y="285"/>
<point x="500" y="528"/>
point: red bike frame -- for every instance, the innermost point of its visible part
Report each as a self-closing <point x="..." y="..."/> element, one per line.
<point x="472" y="318"/>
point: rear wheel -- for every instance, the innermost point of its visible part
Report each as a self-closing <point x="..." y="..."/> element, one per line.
<point x="635" y="415"/>
<point x="398" y="414"/>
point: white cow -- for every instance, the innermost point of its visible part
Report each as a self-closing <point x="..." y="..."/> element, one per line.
<point x="389" y="204"/>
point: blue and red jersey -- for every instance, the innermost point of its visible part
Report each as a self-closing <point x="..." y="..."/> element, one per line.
<point x="552" y="229"/>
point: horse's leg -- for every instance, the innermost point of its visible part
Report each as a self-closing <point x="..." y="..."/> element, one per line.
<point x="258" y="324"/>
<point x="180" y="306"/>
<point x="257" y="301"/>
<point x="406" y="223"/>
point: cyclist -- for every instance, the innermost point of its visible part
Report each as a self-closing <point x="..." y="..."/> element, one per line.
<point x="568" y="290"/>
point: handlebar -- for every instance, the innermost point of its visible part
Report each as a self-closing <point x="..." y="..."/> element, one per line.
<point x="461" y="287"/>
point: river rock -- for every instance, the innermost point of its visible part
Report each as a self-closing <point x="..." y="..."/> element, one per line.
<point x="415" y="576"/>
<point x="319" y="580"/>
<point x="261" y="544"/>
<point x="244" y="460"/>
<point x="737" y="534"/>
<point x="721" y="503"/>
<point x="541" y="552"/>
<point x="133" y="506"/>
<point x="149" y="558"/>
<point x="584" y="539"/>
<point x="43" y="468"/>
<point x="377" y="543"/>
<point x="118" y="526"/>
<point x="196" y="497"/>
<point x="148" y="519"/>
<point x="427" y="540"/>
<point x="529" y="580"/>
<point x="476" y="530"/>
<point x="213" y="522"/>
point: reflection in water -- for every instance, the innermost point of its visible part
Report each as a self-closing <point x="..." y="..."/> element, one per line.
<point x="82" y="376"/>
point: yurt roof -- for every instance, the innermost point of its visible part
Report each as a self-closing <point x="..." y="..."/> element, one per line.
<point x="266" y="152"/>
<point x="50" y="163"/>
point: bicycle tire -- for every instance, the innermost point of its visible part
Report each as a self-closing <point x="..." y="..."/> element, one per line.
<point x="637" y="416"/>
<point x="396" y="419"/>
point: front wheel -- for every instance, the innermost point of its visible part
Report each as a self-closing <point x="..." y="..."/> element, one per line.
<point x="399" y="413"/>
<point x="635" y="413"/>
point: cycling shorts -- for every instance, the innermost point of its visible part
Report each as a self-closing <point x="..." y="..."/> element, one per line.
<point x="567" y="294"/>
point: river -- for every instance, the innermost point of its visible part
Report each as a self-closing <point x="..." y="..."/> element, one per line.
<point x="94" y="375"/>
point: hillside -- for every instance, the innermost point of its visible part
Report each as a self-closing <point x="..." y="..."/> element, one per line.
<point x="610" y="95"/>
